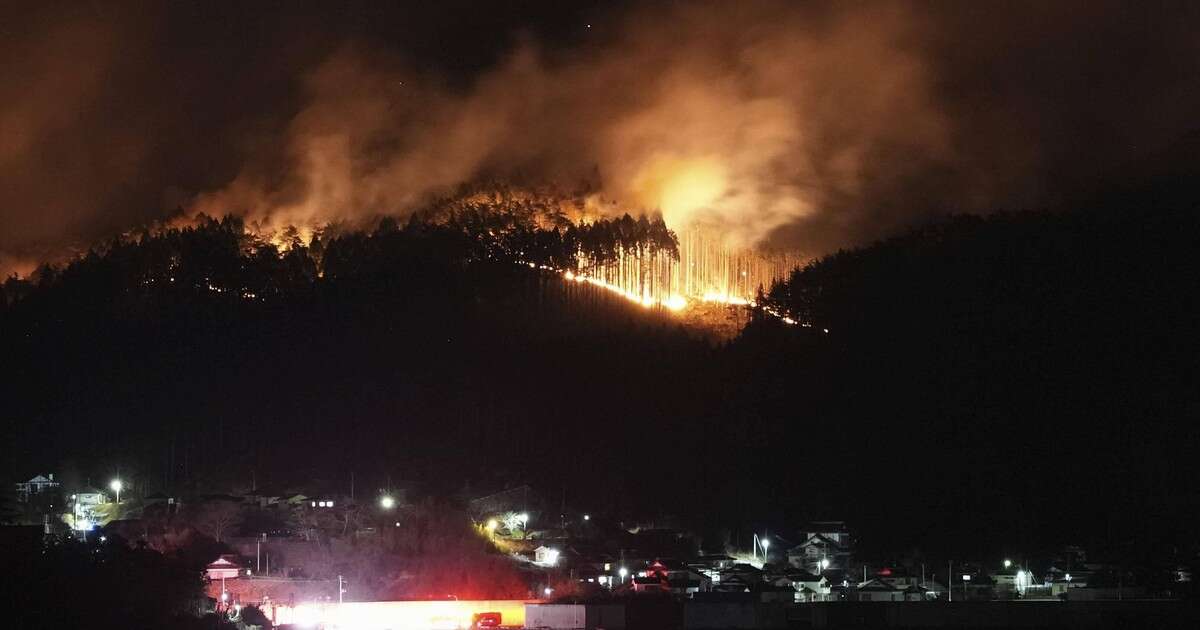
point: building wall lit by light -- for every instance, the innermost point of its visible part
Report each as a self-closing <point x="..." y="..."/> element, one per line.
<point x="402" y="615"/>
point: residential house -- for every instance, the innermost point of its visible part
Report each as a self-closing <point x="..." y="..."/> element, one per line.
<point x="226" y="567"/>
<point x="1011" y="582"/>
<point x="681" y="578"/>
<point x="37" y="485"/>
<point x="84" y="506"/>
<point x="546" y="556"/>
<point x="915" y="593"/>
<point x="875" y="590"/>
<point x="711" y="565"/>
<point x="738" y="578"/>
<point x="807" y="586"/>
<point x="818" y="554"/>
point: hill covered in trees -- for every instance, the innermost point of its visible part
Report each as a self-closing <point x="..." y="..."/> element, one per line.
<point x="1044" y="354"/>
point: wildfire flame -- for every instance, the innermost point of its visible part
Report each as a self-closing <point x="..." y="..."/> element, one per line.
<point x="706" y="272"/>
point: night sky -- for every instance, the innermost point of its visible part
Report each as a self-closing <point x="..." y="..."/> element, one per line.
<point x="831" y="124"/>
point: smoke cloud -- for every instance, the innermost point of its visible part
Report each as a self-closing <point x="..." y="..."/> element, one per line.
<point x="741" y="118"/>
<point x="772" y="124"/>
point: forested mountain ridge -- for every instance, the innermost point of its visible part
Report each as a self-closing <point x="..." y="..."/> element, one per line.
<point x="971" y="354"/>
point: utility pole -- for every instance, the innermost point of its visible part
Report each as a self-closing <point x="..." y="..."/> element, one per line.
<point x="950" y="580"/>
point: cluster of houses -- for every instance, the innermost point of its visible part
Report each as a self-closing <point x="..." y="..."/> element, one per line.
<point x="815" y="570"/>
<point x="610" y="558"/>
<point x="81" y="510"/>
<point x="820" y="568"/>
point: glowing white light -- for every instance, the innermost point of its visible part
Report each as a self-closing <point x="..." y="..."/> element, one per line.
<point x="1007" y="563"/>
<point x="548" y="590"/>
<point x="824" y="563"/>
<point x="387" y="503"/>
<point x="623" y="572"/>
<point x="765" y="543"/>
<point x="586" y="517"/>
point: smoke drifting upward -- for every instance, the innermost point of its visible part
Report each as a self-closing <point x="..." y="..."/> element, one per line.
<point x="737" y="117"/>
<point x="772" y="124"/>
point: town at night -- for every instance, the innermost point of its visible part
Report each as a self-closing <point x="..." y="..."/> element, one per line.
<point x="600" y="314"/>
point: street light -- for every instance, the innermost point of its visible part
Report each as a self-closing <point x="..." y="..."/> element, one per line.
<point x="622" y="572"/>
<point x="387" y="502"/>
<point x="116" y="486"/>
<point x="765" y="543"/>
<point x="824" y="563"/>
<point x="1007" y="563"/>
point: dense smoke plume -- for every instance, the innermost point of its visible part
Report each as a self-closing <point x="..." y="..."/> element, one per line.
<point x="773" y="124"/>
<point x="739" y="117"/>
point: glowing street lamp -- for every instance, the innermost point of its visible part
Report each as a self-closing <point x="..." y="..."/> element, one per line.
<point x="116" y="486"/>
<point x="1007" y="563"/>
<point x="824" y="563"/>
<point x="765" y="543"/>
<point x="387" y="502"/>
<point x="623" y="572"/>
<point x="491" y="526"/>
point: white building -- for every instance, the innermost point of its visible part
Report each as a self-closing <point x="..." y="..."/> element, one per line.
<point x="83" y="508"/>
<point x="545" y="556"/>
<point x="37" y="485"/>
<point x="225" y="567"/>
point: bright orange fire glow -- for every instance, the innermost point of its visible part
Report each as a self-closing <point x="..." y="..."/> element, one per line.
<point x="410" y="615"/>
<point x="706" y="271"/>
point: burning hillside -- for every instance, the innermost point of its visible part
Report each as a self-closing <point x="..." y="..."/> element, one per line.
<point x="587" y="240"/>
